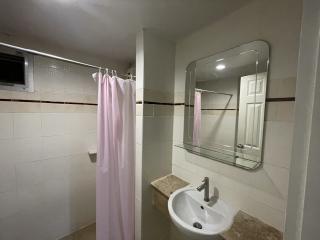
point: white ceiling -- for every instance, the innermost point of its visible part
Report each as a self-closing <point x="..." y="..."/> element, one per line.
<point x="107" y="27"/>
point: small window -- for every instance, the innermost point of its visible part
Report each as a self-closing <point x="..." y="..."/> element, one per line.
<point x="16" y="73"/>
<point x="11" y="69"/>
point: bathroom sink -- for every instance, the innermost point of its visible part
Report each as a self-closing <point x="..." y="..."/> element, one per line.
<point x="196" y="218"/>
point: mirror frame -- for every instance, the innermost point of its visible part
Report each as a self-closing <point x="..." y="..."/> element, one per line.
<point x="203" y="150"/>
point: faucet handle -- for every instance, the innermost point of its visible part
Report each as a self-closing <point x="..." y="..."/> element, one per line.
<point x="206" y="179"/>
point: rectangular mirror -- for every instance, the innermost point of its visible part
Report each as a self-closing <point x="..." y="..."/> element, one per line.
<point x="225" y="105"/>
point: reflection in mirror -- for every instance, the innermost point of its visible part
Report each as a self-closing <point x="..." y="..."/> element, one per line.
<point x="225" y="104"/>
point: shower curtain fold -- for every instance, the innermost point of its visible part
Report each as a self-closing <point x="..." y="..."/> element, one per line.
<point x="115" y="158"/>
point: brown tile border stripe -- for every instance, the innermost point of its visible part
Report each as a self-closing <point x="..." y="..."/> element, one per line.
<point x="219" y="109"/>
<point x="285" y="99"/>
<point x="44" y="101"/>
<point x="159" y="103"/>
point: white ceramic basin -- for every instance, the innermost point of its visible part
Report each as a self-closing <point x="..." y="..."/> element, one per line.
<point x="195" y="217"/>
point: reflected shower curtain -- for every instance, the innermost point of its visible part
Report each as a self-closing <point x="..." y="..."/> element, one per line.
<point x="197" y="118"/>
<point x="115" y="158"/>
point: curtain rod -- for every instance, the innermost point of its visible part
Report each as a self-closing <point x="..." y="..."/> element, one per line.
<point x="54" y="56"/>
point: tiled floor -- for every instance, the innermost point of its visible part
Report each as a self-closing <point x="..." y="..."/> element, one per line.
<point x="87" y="233"/>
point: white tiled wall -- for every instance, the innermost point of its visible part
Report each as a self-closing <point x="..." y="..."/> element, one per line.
<point x="58" y="81"/>
<point x="261" y="193"/>
<point x="154" y="130"/>
<point x="47" y="182"/>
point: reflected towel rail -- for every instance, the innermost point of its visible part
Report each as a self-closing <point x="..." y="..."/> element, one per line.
<point x="211" y="91"/>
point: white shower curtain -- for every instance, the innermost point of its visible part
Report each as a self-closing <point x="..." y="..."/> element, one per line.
<point x="115" y="158"/>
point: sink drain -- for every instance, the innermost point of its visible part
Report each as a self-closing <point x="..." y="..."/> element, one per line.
<point x="197" y="225"/>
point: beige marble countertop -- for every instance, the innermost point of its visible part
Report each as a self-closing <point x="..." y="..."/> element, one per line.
<point x="246" y="227"/>
<point x="168" y="184"/>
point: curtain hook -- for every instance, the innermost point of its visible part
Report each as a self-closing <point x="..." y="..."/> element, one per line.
<point x="107" y="71"/>
<point x="115" y="72"/>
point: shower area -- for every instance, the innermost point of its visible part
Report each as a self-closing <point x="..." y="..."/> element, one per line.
<point x="48" y="145"/>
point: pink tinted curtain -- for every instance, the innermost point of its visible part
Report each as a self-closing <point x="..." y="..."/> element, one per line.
<point x="115" y="158"/>
<point x="197" y="118"/>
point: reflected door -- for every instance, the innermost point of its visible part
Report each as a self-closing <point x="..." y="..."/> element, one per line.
<point x="251" y="113"/>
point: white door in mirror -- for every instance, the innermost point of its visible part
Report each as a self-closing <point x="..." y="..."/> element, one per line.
<point x="251" y="113"/>
<point x="196" y="218"/>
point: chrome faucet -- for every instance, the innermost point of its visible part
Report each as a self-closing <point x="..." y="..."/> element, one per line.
<point x="205" y="186"/>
